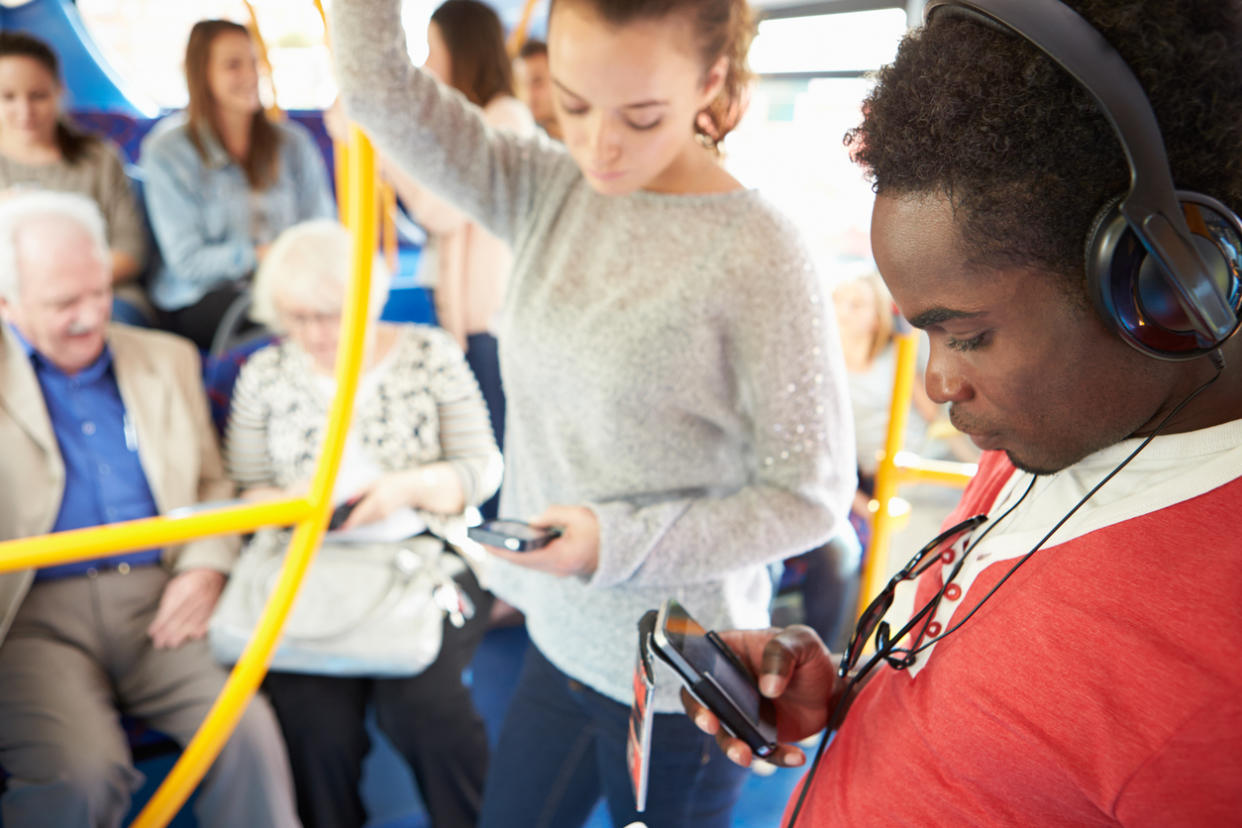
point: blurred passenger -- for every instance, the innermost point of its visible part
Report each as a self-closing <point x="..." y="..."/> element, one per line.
<point x="420" y="440"/>
<point x="534" y="85"/>
<point x="1073" y="656"/>
<point x="468" y="265"/>
<point x="676" y="399"/>
<point x="865" y="315"/>
<point x="222" y="181"/>
<point x="101" y="424"/>
<point x="41" y="149"/>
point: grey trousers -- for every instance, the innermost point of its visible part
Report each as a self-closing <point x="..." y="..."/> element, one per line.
<point x="76" y="658"/>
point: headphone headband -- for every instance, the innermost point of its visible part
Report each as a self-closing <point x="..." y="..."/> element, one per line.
<point x="1151" y="207"/>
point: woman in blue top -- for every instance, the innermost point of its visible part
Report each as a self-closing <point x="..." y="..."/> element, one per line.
<point x="222" y="181"/>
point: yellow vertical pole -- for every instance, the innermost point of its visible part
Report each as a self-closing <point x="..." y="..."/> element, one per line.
<point x="340" y="159"/>
<point x="249" y="670"/>
<point x="887" y="476"/>
<point x="518" y="37"/>
<point x="274" y="111"/>
<point x="388" y="235"/>
<point x="340" y="149"/>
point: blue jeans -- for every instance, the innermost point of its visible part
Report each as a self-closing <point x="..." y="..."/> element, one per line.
<point x="562" y="746"/>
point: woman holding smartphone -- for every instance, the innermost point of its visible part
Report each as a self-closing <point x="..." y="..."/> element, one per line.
<point x="676" y="400"/>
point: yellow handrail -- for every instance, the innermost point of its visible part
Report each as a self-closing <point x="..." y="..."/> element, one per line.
<point x="388" y="234"/>
<point x="95" y="542"/>
<point x="897" y="468"/>
<point x="517" y="38"/>
<point x="273" y="111"/>
<point x="249" y="670"/>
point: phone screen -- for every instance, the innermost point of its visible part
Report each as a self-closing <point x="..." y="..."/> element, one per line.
<point x="689" y="638"/>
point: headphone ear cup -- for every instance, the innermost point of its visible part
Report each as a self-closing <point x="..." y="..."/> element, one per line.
<point x="1133" y="294"/>
<point x="1100" y="247"/>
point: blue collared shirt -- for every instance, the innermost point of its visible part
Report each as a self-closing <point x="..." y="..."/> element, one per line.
<point x="104" y="478"/>
<point x="206" y="218"/>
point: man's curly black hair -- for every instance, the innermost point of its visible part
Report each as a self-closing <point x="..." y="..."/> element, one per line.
<point x="1022" y="151"/>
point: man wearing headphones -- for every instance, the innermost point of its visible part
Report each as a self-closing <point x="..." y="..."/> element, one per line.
<point x="1073" y="657"/>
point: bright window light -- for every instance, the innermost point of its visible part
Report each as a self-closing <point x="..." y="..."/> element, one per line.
<point x="858" y="41"/>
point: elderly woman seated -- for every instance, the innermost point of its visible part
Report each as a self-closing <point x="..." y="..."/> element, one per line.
<point x="419" y="453"/>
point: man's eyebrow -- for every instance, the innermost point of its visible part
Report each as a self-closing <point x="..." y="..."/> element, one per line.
<point x="636" y="105"/>
<point x="939" y="314"/>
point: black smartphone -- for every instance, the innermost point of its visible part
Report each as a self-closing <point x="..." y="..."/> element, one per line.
<point x="713" y="674"/>
<point x="513" y="535"/>
<point x="341" y="513"/>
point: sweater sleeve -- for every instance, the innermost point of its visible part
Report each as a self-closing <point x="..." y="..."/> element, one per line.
<point x="126" y="230"/>
<point x="437" y="215"/>
<point x="431" y="131"/>
<point x="245" y="444"/>
<point x="782" y="352"/>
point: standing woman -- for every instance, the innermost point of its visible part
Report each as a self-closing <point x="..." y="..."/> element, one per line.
<point x="468" y="265"/>
<point x="40" y="149"/>
<point x="222" y="181"/>
<point x="676" y="400"/>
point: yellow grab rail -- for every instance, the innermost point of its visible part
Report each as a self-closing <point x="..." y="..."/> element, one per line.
<point x="249" y="670"/>
<point x="273" y="111"/>
<point x="517" y="39"/>
<point x="899" y="467"/>
<point x="95" y="542"/>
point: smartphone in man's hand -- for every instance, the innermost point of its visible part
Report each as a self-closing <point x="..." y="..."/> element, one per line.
<point x="715" y="676"/>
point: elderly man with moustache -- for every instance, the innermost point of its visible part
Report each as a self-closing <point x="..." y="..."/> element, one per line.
<point x="103" y="423"/>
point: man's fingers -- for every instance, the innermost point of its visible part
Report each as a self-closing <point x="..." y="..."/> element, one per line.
<point x="787" y="756"/>
<point x="183" y="612"/>
<point x="783" y="654"/>
<point x="737" y="750"/>
<point x="703" y="718"/>
<point x="171" y="628"/>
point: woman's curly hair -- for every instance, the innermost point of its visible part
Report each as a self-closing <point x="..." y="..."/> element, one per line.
<point x="1020" y="148"/>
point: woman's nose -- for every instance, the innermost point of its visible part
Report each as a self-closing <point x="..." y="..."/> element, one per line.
<point x="603" y="140"/>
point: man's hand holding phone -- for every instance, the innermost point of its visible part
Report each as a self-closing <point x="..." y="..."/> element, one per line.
<point x="575" y="551"/>
<point x="796" y="672"/>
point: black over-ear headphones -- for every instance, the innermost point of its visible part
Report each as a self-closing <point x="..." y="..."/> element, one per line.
<point x="1164" y="266"/>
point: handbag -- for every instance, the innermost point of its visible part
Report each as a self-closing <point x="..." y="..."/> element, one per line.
<point x="363" y="609"/>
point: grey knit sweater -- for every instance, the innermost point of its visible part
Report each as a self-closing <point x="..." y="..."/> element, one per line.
<point x="669" y="361"/>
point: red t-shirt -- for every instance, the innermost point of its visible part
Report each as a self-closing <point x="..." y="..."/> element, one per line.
<point x="1101" y="685"/>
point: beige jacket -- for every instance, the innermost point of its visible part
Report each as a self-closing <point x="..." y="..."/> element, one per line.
<point x="471" y="265"/>
<point x="161" y="385"/>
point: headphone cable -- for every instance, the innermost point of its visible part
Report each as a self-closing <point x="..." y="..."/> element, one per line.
<point x="835" y="721"/>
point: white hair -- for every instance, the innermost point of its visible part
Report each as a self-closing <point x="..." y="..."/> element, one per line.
<point x="314" y="260"/>
<point x="22" y="207"/>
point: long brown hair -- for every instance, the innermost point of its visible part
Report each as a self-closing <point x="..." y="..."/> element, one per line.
<point x="480" y="66"/>
<point x="262" y="159"/>
<point x="723" y="28"/>
<point x="72" y="142"/>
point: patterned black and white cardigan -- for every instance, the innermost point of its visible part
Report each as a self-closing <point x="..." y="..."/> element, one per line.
<point x="420" y="404"/>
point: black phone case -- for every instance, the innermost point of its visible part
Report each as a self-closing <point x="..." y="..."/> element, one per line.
<point x="713" y="697"/>
<point x="341" y="513"/>
<point x="479" y="534"/>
